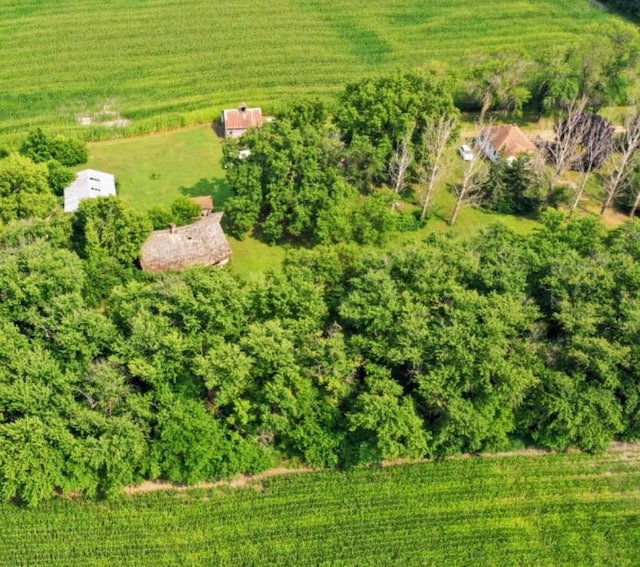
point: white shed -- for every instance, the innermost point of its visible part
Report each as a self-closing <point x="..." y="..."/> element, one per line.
<point x="89" y="184"/>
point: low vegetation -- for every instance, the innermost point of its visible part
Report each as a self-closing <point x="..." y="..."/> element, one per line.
<point x="541" y="510"/>
<point x="166" y="64"/>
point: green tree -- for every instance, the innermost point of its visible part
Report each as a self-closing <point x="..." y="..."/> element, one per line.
<point x="109" y="228"/>
<point x="24" y="189"/>
<point x="384" y="423"/>
<point x="512" y="187"/>
<point x="59" y="177"/>
<point x="282" y="187"/>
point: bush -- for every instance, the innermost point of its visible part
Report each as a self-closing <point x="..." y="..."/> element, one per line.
<point x="182" y="211"/>
<point x="41" y="148"/>
<point x="408" y="221"/>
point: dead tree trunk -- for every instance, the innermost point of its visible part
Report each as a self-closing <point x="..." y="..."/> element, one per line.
<point x="400" y="162"/>
<point x="564" y="150"/>
<point x="470" y="190"/>
<point x="434" y="142"/>
<point x="624" y="161"/>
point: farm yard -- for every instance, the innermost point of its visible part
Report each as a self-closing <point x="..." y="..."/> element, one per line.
<point x="375" y="379"/>
<point x="566" y="509"/>
<point x="101" y="68"/>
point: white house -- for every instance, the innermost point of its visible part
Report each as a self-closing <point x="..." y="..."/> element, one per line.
<point x="89" y="184"/>
<point x="506" y="140"/>
<point x="237" y="121"/>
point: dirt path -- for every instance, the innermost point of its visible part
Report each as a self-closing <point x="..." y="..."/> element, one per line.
<point x="238" y="481"/>
<point x="625" y="451"/>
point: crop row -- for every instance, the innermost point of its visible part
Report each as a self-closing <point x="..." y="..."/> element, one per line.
<point x="460" y="512"/>
<point x="64" y="58"/>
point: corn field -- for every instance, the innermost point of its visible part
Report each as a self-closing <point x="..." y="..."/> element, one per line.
<point x="567" y="509"/>
<point x="168" y="63"/>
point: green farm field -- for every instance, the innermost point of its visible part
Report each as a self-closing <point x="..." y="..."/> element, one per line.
<point x="168" y="63"/>
<point x="569" y="509"/>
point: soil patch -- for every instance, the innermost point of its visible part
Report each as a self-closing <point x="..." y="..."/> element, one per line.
<point x="624" y="451"/>
<point x="238" y="481"/>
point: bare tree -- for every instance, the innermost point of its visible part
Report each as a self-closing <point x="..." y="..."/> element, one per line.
<point x="636" y="204"/>
<point x="434" y="142"/>
<point x="401" y="160"/>
<point x="470" y="190"/>
<point x="563" y="152"/>
<point x="623" y="160"/>
<point x="597" y="145"/>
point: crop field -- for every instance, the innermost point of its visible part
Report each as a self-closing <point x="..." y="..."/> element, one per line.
<point x="153" y="65"/>
<point x="566" y="509"/>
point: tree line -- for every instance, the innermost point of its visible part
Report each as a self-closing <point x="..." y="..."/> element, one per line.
<point x="347" y="356"/>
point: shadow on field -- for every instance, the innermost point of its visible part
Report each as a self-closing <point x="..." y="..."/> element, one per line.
<point x="217" y="188"/>
<point x="218" y="128"/>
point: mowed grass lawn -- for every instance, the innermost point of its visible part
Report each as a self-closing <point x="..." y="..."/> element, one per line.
<point x="168" y="63"/>
<point x="155" y="169"/>
<point x="567" y="509"/>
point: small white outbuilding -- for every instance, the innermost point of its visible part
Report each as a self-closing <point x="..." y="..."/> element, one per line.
<point x="89" y="184"/>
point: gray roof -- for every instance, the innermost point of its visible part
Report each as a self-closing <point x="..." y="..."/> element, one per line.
<point x="202" y="243"/>
<point x="89" y="184"/>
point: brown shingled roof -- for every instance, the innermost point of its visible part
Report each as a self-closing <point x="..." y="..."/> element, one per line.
<point x="509" y="140"/>
<point x="201" y="243"/>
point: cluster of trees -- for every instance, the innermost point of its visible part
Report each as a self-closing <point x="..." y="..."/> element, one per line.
<point x="600" y="69"/>
<point x="345" y="357"/>
<point x="41" y="148"/>
<point x="318" y="178"/>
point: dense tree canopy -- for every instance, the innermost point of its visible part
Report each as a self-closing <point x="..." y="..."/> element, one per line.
<point x="348" y="355"/>
<point x="375" y="114"/>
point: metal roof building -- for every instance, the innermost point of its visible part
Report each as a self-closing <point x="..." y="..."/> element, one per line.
<point x="89" y="184"/>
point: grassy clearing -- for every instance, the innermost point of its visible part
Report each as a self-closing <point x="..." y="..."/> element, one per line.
<point x="566" y="509"/>
<point x="154" y="170"/>
<point x="167" y="63"/>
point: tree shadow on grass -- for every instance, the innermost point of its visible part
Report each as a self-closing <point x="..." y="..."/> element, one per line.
<point x="217" y="188"/>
